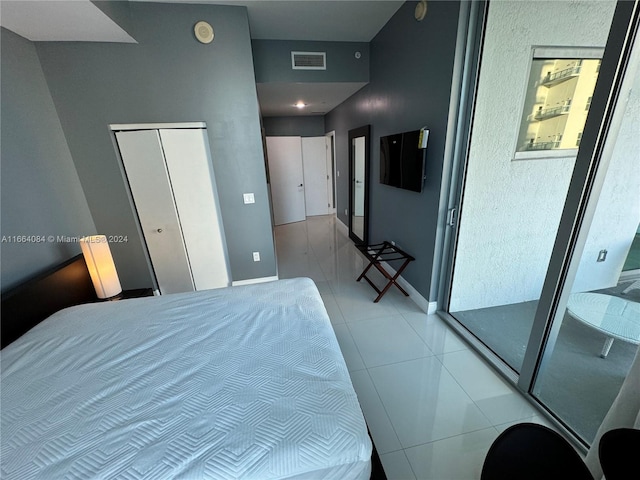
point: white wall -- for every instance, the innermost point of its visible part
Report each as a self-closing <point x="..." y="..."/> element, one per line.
<point x="512" y="209"/>
<point x="617" y="215"/>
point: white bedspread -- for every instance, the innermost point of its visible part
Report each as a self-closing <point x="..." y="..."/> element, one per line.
<point x="242" y="382"/>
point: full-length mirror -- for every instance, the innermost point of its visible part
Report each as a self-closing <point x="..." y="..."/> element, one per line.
<point x="359" y="184"/>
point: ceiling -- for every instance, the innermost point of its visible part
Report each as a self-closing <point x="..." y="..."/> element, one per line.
<point x="279" y="99"/>
<point x="77" y="20"/>
<point x="327" y="20"/>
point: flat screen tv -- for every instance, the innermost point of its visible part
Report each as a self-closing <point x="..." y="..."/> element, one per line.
<point x="402" y="159"/>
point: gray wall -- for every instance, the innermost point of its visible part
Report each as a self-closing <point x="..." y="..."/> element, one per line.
<point x="118" y="11"/>
<point x="308" y="126"/>
<point x="40" y="190"/>
<point x="411" y="74"/>
<point x="272" y="60"/>
<point x="167" y="77"/>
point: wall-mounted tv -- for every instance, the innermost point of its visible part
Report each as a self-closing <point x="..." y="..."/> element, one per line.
<point x="402" y="159"/>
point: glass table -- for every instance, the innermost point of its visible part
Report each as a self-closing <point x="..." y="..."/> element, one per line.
<point x="616" y="317"/>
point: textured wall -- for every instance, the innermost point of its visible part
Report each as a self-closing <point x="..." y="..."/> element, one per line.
<point x="410" y="84"/>
<point x="511" y="210"/>
<point x="167" y="77"/>
<point x="617" y="215"/>
<point x="41" y="192"/>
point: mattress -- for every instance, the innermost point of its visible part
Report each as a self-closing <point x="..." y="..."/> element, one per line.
<point x="241" y="382"/>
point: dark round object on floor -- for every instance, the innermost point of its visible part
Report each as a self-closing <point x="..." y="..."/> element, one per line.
<point x="529" y="451"/>
<point x="618" y="451"/>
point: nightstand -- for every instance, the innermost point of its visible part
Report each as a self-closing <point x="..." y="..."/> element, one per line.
<point x="136" y="293"/>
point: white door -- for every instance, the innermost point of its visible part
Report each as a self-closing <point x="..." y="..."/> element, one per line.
<point x="173" y="188"/>
<point x="146" y="171"/>
<point x="287" y="179"/>
<point x="314" y="163"/>
<point x="196" y="199"/>
<point x="330" y="173"/>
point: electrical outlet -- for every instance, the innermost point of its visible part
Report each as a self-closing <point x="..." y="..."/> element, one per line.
<point x="602" y="256"/>
<point x="256" y="256"/>
<point x="248" y="198"/>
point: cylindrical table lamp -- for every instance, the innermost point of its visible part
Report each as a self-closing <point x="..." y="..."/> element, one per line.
<point x="99" y="261"/>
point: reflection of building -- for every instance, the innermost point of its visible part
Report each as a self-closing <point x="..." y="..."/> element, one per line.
<point x="562" y="99"/>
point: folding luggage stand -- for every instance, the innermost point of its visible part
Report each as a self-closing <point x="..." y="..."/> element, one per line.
<point x="384" y="252"/>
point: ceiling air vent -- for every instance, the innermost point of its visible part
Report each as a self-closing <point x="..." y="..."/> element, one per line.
<point x="308" y="60"/>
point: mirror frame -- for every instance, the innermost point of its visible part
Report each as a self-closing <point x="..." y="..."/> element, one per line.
<point x="364" y="131"/>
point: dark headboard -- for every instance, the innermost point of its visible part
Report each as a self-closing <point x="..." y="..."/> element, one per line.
<point x="28" y="304"/>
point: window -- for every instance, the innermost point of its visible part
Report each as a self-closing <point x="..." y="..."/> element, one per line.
<point x="560" y="81"/>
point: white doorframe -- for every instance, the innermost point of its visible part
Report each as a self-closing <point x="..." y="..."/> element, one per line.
<point x="331" y="169"/>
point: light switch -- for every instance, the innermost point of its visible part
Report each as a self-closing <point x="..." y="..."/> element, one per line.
<point x="256" y="256"/>
<point x="249" y="198"/>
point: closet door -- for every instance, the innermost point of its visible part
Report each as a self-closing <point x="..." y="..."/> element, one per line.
<point x="314" y="162"/>
<point x="196" y="199"/>
<point x="146" y="172"/>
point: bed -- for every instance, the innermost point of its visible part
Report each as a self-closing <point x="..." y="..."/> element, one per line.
<point x="241" y="382"/>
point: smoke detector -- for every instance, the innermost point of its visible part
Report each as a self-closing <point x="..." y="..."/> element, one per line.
<point x="421" y="10"/>
<point x="204" y="32"/>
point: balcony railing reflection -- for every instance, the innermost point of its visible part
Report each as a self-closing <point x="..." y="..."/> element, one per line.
<point x="561" y="76"/>
<point x="550" y="112"/>
<point x="542" y="145"/>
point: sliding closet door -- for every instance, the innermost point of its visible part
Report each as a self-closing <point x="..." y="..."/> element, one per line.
<point x="141" y="153"/>
<point x="196" y="200"/>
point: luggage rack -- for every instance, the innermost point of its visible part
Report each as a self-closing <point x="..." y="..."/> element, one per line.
<point x="384" y="252"/>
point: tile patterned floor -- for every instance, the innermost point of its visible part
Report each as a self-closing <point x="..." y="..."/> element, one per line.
<point x="432" y="405"/>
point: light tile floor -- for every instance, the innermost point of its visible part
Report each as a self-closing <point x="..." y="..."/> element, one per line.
<point x="432" y="405"/>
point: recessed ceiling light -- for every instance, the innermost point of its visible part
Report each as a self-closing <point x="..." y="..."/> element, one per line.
<point x="300" y="104"/>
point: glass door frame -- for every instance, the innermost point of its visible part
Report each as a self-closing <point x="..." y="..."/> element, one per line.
<point x="586" y="182"/>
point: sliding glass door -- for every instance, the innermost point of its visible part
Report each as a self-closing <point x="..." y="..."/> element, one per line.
<point x="598" y="330"/>
<point x="530" y="111"/>
<point x="593" y="334"/>
<point x="549" y="204"/>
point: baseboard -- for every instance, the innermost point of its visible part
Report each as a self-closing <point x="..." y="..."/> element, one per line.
<point x="433" y="308"/>
<point x="342" y="227"/>
<point x="251" y="281"/>
<point x="424" y="305"/>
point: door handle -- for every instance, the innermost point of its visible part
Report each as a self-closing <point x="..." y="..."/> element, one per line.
<point x="451" y="217"/>
<point x="300" y="185"/>
<point x="159" y="230"/>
